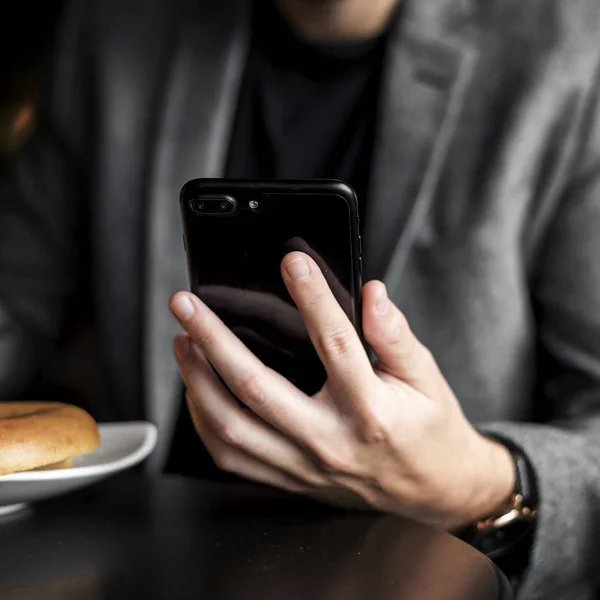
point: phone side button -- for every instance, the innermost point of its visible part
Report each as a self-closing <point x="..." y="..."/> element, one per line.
<point x="184" y="246"/>
<point x="360" y="245"/>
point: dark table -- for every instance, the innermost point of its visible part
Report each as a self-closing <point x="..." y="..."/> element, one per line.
<point x="136" y="537"/>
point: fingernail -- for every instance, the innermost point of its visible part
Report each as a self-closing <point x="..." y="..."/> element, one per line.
<point x="382" y="302"/>
<point x="182" y="348"/>
<point x="183" y="308"/>
<point x="298" y="270"/>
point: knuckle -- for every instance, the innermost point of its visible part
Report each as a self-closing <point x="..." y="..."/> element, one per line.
<point x="401" y="331"/>
<point x="315" y="298"/>
<point x="400" y="327"/>
<point x="373" y="430"/>
<point x="229" y="433"/>
<point x="404" y="342"/>
<point x="204" y="337"/>
<point x="334" y="461"/>
<point x="250" y="388"/>
<point x="336" y="342"/>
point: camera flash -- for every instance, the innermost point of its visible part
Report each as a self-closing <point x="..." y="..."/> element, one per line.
<point x="253" y="204"/>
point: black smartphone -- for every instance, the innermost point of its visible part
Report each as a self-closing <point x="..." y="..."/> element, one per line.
<point x="236" y="233"/>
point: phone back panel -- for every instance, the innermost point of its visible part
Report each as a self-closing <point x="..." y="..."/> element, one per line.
<point x="234" y="261"/>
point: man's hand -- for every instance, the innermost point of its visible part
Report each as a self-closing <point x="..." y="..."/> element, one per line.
<point x="390" y="436"/>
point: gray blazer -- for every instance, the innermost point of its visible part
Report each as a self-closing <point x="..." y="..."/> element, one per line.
<point x="484" y="219"/>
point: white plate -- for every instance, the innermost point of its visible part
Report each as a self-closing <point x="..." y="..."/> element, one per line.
<point x="122" y="445"/>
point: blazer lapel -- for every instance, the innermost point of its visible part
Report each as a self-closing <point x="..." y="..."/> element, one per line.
<point x="425" y="81"/>
<point x="199" y="101"/>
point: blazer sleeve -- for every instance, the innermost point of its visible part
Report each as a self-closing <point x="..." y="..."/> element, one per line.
<point x="564" y="448"/>
<point x="41" y="205"/>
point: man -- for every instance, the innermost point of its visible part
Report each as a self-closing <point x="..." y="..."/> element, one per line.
<point x="471" y="132"/>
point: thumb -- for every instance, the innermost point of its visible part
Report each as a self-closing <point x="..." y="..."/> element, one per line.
<point x="398" y="350"/>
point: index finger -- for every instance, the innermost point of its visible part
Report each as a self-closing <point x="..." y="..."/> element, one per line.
<point x="334" y="337"/>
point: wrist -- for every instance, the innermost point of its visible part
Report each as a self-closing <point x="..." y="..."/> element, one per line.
<point x="493" y="481"/>
<point x="502" y="481"/>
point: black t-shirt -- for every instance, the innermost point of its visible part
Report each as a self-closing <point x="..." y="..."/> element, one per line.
<point x="306" y="110"/>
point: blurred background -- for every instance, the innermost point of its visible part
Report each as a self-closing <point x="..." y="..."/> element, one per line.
<point x="26" y="30"/>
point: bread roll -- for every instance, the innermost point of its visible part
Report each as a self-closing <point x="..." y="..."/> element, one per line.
<point x="35" y="435"/>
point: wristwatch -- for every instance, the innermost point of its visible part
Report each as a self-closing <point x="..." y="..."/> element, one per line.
<point x="513" y="526"/>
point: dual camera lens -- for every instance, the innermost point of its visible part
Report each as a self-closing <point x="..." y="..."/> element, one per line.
<point x="222" y="205"/>
<point x="218" y="205"/>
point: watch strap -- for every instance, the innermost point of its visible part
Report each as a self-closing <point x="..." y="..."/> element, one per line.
<point x="499" y="534"/>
